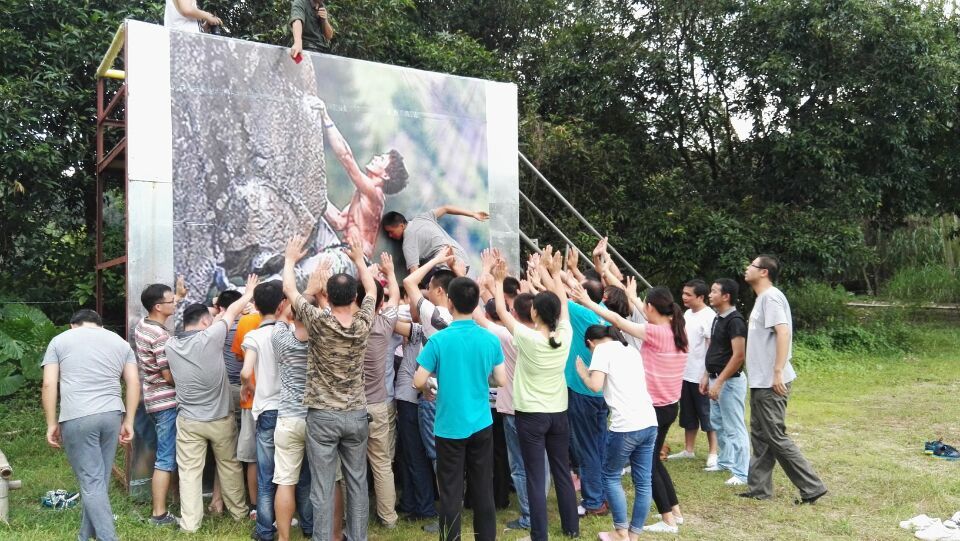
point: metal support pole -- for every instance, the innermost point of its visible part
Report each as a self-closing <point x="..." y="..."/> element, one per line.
<point x="581" y="218"/>
<point x="556" y="229"/>
<point x="529" y="242"/>
<point x="6" y="485"/>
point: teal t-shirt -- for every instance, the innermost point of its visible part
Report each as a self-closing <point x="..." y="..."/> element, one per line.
<point x="580" y="319"/>
<point x="462" y="356"/>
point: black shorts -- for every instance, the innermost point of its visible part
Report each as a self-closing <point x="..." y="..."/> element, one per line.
<point x="694" y="408"/>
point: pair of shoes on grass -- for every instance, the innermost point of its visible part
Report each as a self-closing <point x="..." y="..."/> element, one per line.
<point x="933" y="529"/>
<point x="941" y="450"/>
<point x="711" y="459"/>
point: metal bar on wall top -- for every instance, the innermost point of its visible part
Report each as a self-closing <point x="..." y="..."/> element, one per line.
<point x="555" y="230"/>
<point x="579" y="216"/>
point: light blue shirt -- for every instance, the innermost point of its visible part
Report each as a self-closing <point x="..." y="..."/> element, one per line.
<point x="462" y="356"/>
<point x="581" y="318"/>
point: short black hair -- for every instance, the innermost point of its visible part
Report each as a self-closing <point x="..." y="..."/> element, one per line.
<point x="396" y="174"/>
<point x="228" y="297"/>
<point x="362" y="292"/>
<point x="153" y="295"/>
<point x="341" y="289"/>
<point x="594" y="290"/>
<point x="511" y="286"/>
<point x="268" y="296"/>
<point x="521" y="305"/>
<point x="464" y="293"/>
<point x="86" y="315"/>
<point x="729" y="287"/>
<point x="592" y="274"/>
<point x="772" y="264"/>
<point x="392" y="218"/>
<point x="195" y="313"/>
<point x="699" y="287"/>
<point x="442" y="278"/>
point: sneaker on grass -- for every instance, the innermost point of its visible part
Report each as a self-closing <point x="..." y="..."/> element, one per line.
<point x="715" y="467"/>
<point x="711" y="460"/>
<point x="937" y="531"/>
<point x="682" y="454"/>
<point x="918" y="522"/>
<point x="165" y="519"/>
<point x="661" y="527"/>
<point x="735" y="481"/>
<point x="947" y="452"/>
<point x="931" y="446"/>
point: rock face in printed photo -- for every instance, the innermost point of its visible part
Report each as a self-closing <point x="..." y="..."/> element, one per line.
<point x="248" y="158"/>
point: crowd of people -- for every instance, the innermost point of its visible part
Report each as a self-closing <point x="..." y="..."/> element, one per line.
<point x="426" y="384"/>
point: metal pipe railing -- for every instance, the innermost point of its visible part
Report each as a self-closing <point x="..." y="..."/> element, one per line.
<point x="556" y="229"/>
<point x="579" y="216"/>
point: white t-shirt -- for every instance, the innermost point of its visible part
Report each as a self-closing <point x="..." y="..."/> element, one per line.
<point x="266" y="397"/>
<point x="433" y="318"/>
<point x="698" y="326"/>
<point x="769" y="310"/>
<point x="173" y="19"/>
<point x="625" y="387"/>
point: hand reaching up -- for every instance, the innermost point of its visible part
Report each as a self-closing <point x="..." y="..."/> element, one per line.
<point x="296" y="248"/>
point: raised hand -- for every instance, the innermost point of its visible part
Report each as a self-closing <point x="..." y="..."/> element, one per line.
<point x="573" y="257"/>
<point x="578" y="294"/>
<point x="500" y="270"/>
<point x="386" y="264"/>
<point x="631" y="287"/>
<point x="487" y="260"/>
<point x="252" y="282"/>
<point x="180" y="290"/>
<point x="296" y="248"/>
<point x="600" y="248"/>
<point x="447" y="256"/>
<point x="481" y="216"/>
<point x="356" y="249"/>
<point x="459" y="267"/>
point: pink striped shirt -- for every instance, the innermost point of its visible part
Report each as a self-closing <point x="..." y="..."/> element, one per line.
<point x="663" y="364"/>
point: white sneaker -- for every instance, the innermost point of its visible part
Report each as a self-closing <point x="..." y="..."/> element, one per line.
<point x="954" y="521"/>
<point x="626" y="471"/>
<point x="735" y="481"/>
<point x="715" y="467"/>
<point x="681" y="454"/>
<point x="658" y="516"/>
<point x="711" y="460"/>
<point x="937" y="532"/>
<point x="581" y="511"/>
<point x="661" y="527"/>
<point x="918" y="522"/>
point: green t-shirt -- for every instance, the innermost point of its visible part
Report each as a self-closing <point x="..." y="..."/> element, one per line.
<point x="313" y="39"/>
<point x="539" y="385"/>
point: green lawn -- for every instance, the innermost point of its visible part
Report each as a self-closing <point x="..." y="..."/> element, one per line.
<point x="860" y="419"/>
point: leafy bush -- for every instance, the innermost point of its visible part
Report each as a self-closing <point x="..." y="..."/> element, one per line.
<point x="24" y="335"/>
<point x="883" y="331"/>
<point x="929" y="283"/>
<point x="816" y="305"/>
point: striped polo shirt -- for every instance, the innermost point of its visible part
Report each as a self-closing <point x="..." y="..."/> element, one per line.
<point x="150" y="337"/>
<point x="663" y="364"/>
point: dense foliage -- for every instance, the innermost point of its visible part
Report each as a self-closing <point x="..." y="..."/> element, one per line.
<point x="695" y="133"/>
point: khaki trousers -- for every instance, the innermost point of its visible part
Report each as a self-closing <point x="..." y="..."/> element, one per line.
<point x="381" y="446"/>
<point x="192" y="440"/>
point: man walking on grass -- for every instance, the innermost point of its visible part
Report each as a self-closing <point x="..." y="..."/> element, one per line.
<point x="769" y="348"/>
<point x="88" y="362"/>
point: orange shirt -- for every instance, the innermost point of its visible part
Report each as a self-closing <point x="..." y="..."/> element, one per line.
<point x="246" y="324"/>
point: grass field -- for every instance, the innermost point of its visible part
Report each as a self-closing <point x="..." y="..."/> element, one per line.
<point x="860" y="419"/>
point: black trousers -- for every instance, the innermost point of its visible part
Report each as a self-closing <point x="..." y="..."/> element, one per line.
<point x="664" y="494"/>
<point x="501" y="466"/>
<point x="551" y="432"/>
<point x="475" y="456"/>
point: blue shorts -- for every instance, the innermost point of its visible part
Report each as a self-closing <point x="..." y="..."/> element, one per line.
<point x="165" y="424"/>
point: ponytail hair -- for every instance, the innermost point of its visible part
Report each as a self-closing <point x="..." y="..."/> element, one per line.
<point x="547" y="304"/>
<point x="661" y="300"/>
<point x="598" y="332"/>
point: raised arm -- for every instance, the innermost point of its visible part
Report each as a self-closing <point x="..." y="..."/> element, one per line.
<point x="393" y="289"/>
<point x="573" y="262"/>
<point x="233" y="311"/>
<point x="317" y="284"/>
<point x="634" y="329"/>
<point x="479" y="215"/>
<point x="552" y="263"/>
<point x="345" y="156"/>
<point x="363" y="273"/>
<point x="412" y="282"/>
<point x="295" y="251"/>
<point x="499" y="273"/>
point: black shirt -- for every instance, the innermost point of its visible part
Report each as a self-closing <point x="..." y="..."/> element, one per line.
<point x="725" y="329"/>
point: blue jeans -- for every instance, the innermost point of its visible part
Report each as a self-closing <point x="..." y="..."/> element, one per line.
<point x="165" y="426"/>
<point x="91" y="444"/>
<point x="517" y="471"/>
<point x="637" y="448"/>
<point x="417" y="479"/>
<point x="728" y="417"/>
<point x="588" y="436"/>
<point x="266" y="423"/>
<point x="427" y="415"/>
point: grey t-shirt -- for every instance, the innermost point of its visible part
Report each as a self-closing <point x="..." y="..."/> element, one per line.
<point x="234" y="366"/>
<point x="374" y="366"/>
<point x="91" y="363"/>
<point x="423" y="237"/>
<point x="411" y="349"/>
<point x="770" y="310"/>
<point x="199" y="373"/>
